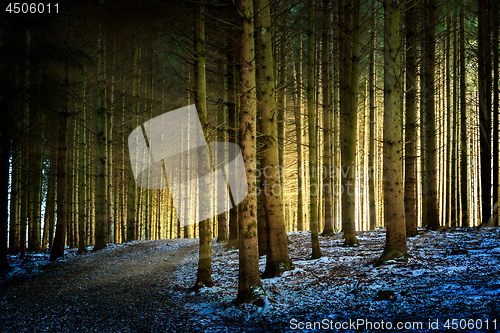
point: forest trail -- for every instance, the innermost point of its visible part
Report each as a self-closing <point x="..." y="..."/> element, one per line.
<point x="118" y="289"/>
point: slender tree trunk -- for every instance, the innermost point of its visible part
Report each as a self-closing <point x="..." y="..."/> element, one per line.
<point x="5" y="150"/>
<point x="134" y="123"/>
<point x="222" y="228"/>
<point x="454" y="145"/>
<point x="484" y="90"/>
<point x="496" y="125"/>
<point x="395" y="245"/>
<point x="298" y="136"/>
<point x="411" y="121"/>
<point x="50" y="202"/>
<point x="101" y="199"/>
<point x="249" y="285"/>
<point x="313" y="146"/>
<point x="62" y="179"/>
<point x="232" y="134"/>
<point x="432" y="218"/>
<point x="82" y="178"/>
<point x="371" y="153"/>
<point x="36" y="155"/>
<point x="464" y="178"/>
<point x="204" y="275"/>
<point x="15" y="197"/>
<point x="62" y="190"/>
<point x="327" y="121"/>
<point x="277" y="260"/>
<point x="349" y="119"/>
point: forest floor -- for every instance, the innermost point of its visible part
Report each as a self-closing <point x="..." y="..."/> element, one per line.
<point x="145" y="287"/>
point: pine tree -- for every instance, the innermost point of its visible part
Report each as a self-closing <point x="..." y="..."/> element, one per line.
<point x="204" y="275"/>
<point x="411" y="121"/>
<point x="395" y="245"/>
<point x="277" y="260"/>
<point x="249" y="285"/>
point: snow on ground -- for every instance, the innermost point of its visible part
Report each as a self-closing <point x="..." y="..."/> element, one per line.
<point x="452" y="274"/>
<point x="449" y="275"/>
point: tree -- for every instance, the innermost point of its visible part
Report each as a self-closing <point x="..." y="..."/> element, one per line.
<point x="327" y="121"/>
<point x="132" y="187"/>
<point x="496" y="110"/>
<point x="204" y="275"/>
<point x="62" y="188"/>
<point x="484" y="91"/>
<point x="395" y="244"/>
<point x="277" y="260"/>
<point x="371" y="153"/>
<point x="349" y="48"/>
<point x="464" y="200"/>
<point x="431" y="167"/>
<point x="101" y="200"/>
<point x="411" y="121"/>
<point x="249" y="285"/>
<point x="313" y="146"/>
<point x="297" y="112"/>
<point x="4" y="183"/>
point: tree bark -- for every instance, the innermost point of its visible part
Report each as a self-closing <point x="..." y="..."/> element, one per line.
<point x="313" y="146"/>
<point x="101" y="196"/>
<point x="62" y="190"/>
<point x="297" y="111"/>
<point x="349" y="118"/>
<point x="204" y="275"/>
<point x="249" y="285"/>
<point x="431" y="198"/>
<point x="395" y="245"/>
<point x="327" y="121"/>
<point x="496" y="111"/>
<point x="134" y="123"/>
<point x="277" y="260"/>
<point x="371" y="152"/>
<point x="411" y="121"/>
<point x="464" y="178"/>
<point x="5" y="147"/>
<point x="484" y="90"/>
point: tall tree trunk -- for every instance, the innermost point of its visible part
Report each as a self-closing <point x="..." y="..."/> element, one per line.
<point x="496" y="125"/>
<point x="327" y="121"/>
<point x="464" y="178"/>
<point x="204" y="275"/>
<point x="431" y="198"/>
<point x="50" y="202"/>
<point x="249" y="285"/>
<point x="62" y="178"/>
<point x="15" y="197"/>
<point x="371" y="153"/>
<point x="313" y="146"/>
<point x="222" y="230"/>
<point x="101" y="198"/>
<point x="349" y="118"/>
<point x="411" y="121"/>
<point x="5" y="147"/>
<point x="36" y="155"/>
<point x="484" y="90"/>
<point x="82" y="178"/>
<point x="454" y="146"/>
<point x="62" y="189"/>
<point x="297" y="111"/>
<point x="395" y="245"/>
<point x="232" y="132"/>
<point x="277" y="260"/>
<point x="134" y="123"/>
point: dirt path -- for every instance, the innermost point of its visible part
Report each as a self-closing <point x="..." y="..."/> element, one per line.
<point x="123" y="289"/>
